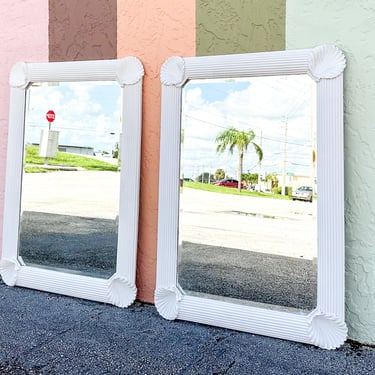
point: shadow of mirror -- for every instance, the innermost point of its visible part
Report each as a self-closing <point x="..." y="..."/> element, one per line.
<point x="248" y="201"/>
<point x="71" y="177"/>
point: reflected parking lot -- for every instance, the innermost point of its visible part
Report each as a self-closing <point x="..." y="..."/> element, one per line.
<point x="251" y="249"/>
<point x="69" y="221"/>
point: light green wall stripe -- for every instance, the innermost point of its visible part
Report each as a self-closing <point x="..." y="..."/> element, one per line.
<point x="350" y="25"/>
<point x="239" y="26"/>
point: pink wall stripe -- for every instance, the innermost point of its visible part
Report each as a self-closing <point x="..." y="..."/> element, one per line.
<point x="24" y="37"/>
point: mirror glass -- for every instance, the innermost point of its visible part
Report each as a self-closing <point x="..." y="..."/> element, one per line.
<point x="71" y="177"/>
<point x="248" y="191"/>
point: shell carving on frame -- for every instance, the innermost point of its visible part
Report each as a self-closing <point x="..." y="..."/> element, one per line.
<point x="326" y="62"/>
<point x="130" y="71"/>
<point x="173" y="71"/>
<point x="18" y="74"/>
<point x="121" y="292"/>
<point x="167" y="302"/>
<point x="9" y="269"/>
<point x="325" y="330"/>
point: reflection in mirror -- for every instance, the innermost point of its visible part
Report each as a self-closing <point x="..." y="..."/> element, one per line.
<point x="248" y="197"/>
<point x="71" y="179"/>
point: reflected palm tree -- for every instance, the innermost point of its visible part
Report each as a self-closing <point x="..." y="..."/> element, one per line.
<point x="233" y="138"/>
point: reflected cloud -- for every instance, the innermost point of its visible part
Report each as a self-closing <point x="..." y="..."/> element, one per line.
<point x="263" y="104"/>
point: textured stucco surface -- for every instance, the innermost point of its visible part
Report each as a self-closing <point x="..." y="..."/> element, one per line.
<point x="152" y="31"/>
<point x="24" y="37"/>
<point x="238" y="26"/>
<point x="82" y="30"/>
<point x="351" y="26"/>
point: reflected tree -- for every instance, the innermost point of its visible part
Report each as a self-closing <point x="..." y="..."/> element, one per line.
<point x="250" y="177"/>
<point x="274" y="181"/>
<point x="233" y="138"/>
<point x="205" y="178"/>
<point x="219" y="174"/>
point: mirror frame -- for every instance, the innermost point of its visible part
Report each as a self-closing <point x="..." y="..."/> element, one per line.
<point x="120" y="289"/>
<point x="325" y="325"/>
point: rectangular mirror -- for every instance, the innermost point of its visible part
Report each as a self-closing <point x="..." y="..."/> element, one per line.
<point x="259" y="243"/>
<point x="72" y="199"/>
<point x="70" y="223"/>
<point x="251" y="233"/>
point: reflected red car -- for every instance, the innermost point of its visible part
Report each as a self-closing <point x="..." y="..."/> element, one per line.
<point x="228" y="182"/>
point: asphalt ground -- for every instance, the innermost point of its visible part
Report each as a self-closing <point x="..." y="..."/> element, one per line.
<point x="43" y="333"/>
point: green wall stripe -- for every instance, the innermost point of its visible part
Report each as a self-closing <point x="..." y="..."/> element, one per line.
<point x="239" y="26"/>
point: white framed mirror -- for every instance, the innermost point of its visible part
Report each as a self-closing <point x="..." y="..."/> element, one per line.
<point x="72" y="180"/>
<point x="253" y="260"/>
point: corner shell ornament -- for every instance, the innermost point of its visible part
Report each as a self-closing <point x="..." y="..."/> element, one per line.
<point x="9" y="269"/>
<point x="326" y="62"/>
<point x="130" y="71"/>
<point x="18" y="75"/>
<point x="326" y="331"/>
<point x="173" y="71"/>
<point x="121" y="292"/>
<point x="167" y="302"/>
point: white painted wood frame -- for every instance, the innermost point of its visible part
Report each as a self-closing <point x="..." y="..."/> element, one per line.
<point x="325" y="325"/>
<point x="120" y="289"/>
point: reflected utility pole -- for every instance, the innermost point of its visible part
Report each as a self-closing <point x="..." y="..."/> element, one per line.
<point x="284" y="156"/>
<point x="260" y="161"/>
<point x="182" y="141"/>
<point x="312" y="137"/>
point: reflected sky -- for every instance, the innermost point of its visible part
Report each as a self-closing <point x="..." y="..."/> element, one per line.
<point x="263" y="104"/>
<point x="87" y="113"/>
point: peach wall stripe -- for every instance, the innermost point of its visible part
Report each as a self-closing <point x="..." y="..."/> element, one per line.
<point x="152" y="31"/>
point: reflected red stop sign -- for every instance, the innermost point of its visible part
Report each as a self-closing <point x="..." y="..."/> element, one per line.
<point x="50" y="116"/>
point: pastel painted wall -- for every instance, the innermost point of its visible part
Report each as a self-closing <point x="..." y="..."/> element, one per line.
<point x="240" y="26"/>
<point x="169" y="28"/>
<point x="351" y="26"/>
<point x="24" y="37"/>
<point x="152" y="31"/>
<point x="82" y="30"/>
<point x="87" y="30"/>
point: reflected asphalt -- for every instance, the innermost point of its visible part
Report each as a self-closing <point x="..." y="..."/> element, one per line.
<point x="42" y="333"/>
<point x="84" y="245"/>
<point x="248" y="276"/>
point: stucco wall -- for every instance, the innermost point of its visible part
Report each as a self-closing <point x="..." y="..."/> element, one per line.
<point x="351" y="26"/>
<point x="24" y="37"/>
<point x="82" y="30"/>
<point x="164" y="28"/>
<point x="169" y="28"/>
<point x="240" y="26"/>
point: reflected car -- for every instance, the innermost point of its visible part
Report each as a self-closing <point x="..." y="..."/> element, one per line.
<point x="228" y="182"/>
<point x="303" y="193"/>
